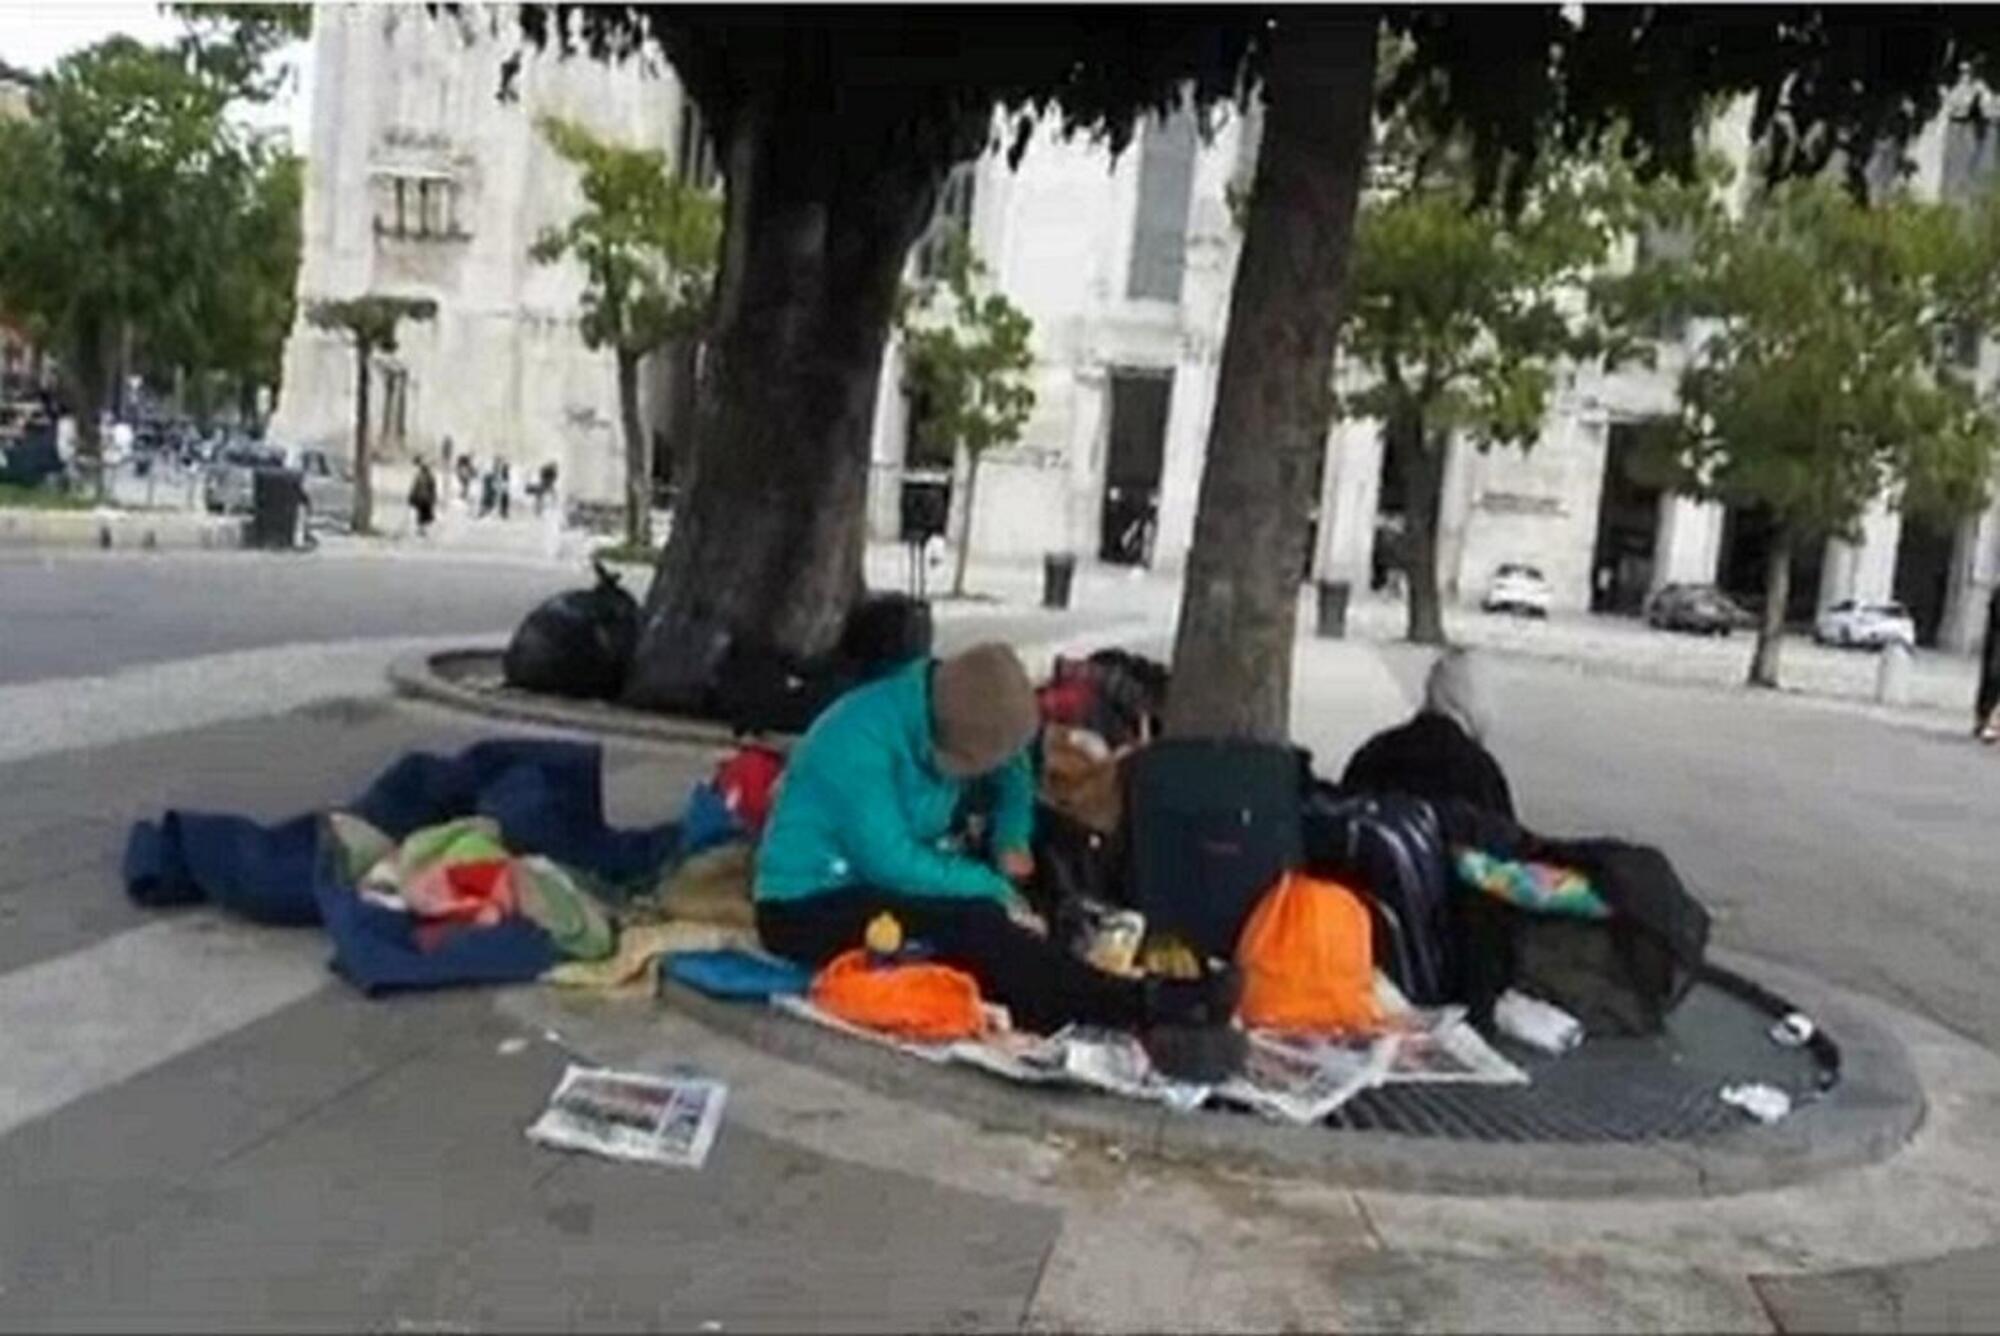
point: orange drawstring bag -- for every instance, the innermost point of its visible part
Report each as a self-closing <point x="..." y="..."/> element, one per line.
<point x="1308" y="959"/>
<point x="918" y="1000"/>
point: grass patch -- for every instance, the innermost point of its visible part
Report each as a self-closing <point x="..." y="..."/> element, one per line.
<point x="13" y="496"/>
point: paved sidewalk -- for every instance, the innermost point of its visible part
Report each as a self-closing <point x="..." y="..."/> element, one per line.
<point x="314" y="1160"/>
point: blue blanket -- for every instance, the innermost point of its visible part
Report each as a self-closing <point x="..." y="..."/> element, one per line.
<point x="546" y="796"/>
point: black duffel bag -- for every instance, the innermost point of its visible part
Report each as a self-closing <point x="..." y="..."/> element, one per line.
<point x="1618" y="976"/>
<point x="577" y="644"/>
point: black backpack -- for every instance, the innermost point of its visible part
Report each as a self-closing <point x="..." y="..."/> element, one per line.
<point x="1210" y="827"/>
<point x="577" y="644"/>
<point x="1390" y="848"/>
<point x="1624" y="975"/>
<point x="884" y="632"/>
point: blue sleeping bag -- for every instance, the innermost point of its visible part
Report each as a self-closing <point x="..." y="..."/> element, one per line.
<point x="546" y="796"/>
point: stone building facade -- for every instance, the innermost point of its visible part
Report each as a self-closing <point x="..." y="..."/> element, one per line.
<point x="421" y="182"/>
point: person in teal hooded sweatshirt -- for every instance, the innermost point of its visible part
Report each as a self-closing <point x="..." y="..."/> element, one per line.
<point x="863" y="825"/>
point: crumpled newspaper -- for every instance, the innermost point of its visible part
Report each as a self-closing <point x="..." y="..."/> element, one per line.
<point x="1766" y="1103"/>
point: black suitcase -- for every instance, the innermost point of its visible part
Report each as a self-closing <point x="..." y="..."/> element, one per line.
<point x="1211" y="826"/>
<point x="1391" y="849"/>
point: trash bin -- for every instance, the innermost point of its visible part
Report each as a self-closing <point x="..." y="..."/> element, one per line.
<point x="1058" y="574"/>
<point x="1892" y="674"/>
<point x="275" y="495"/>
<point x="1333" y="595"/>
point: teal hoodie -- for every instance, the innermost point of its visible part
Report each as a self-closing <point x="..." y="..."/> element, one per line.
<point x="862" y="803"/>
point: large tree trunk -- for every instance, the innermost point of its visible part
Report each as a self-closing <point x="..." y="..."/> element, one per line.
<point x="638" y="456"/>
<point x="767" y="548"/>
<point x="1232" y="671"/>
<point x="966" y="476"/>
<point x="1771" y="627"/>
<point x="364" y="473"/>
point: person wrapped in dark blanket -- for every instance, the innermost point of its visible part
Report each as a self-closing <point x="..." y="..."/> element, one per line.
<point x="1441" y="753"/>
<point x="1415" y="795"/>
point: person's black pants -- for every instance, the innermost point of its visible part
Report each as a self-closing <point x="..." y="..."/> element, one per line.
<point x="1042" y="986"/>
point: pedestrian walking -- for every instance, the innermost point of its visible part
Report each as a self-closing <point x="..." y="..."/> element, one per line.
<point x="505" y="484"/>
<point x="1986" y="709"/>
<point x="424" y="498"/>
<point x="466" y="471"/>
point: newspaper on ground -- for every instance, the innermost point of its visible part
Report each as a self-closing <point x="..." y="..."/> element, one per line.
<point x="1301" y="1079"/>
<point x="1438" y="1045"/>
<point x="1115" y="1062"/>
<point x="669" y="1120"/>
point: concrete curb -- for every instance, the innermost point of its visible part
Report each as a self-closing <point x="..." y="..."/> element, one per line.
<point x="428" y="677"/>
<point x="1874" y="1111"/>
<point x="150" y="531"/>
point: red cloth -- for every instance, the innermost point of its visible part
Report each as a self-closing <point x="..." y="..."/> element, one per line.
<point x="748" y="783"/>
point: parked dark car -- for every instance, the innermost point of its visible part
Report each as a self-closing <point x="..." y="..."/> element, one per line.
<point x="1701" y="610"/>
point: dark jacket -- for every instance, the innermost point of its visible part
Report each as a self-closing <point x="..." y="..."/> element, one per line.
<point x="1430" y="757"/>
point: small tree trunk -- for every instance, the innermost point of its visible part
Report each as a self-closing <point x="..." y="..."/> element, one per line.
<point x="966" y="469"/>
<point x="1423" y="501"/>
<point x="1232" y="670"/>
<point x="638" y="456"/>
<point x="364" y="477"/>
<point x="1771" y="627"/>
<point x="767" y="547"/>
<point x="87" y="383"/>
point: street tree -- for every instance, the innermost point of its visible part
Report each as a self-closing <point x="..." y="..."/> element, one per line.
<point x="370" y="325"/>
<point x="1463" y="313"/>
<point x="966" y="360"/>
<point x="1823" y="373"/>
<point x="646" y="242"/>
<point x="112" y="183"/>
<point x="224" y="340"/>
<point x="836" y="134"/>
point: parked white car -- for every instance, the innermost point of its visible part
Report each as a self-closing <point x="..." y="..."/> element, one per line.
<point x="1517" y="588"/>
<point x="1872" y="625"/>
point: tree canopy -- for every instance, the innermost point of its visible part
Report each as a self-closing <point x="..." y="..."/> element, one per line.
<point x="835" y="134"/>
<point x="645" y="240"/>
<point x="966" y="359"/>
<point x="1824" y="370"/>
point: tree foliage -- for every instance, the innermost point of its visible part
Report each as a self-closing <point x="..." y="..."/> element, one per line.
<point x="1823" y="372"/>
<point x="853" y="120"/>
<point x="646" y="242"/>
<point x="1463" y="311"/>
<point x="114" y="182"/>
<point x="966" y="359"/>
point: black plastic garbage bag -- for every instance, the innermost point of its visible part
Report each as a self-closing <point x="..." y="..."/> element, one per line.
<point x="577" y="644"/>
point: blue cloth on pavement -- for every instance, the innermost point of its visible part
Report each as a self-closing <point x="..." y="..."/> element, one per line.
<point x="707" y="823"/>
<point x="736" y="976"/>
<point x="546" y="796"/>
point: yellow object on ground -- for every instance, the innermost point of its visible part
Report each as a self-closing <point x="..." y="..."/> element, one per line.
<point x="885" y="935"/>
<point x="629" y="970"/>
<point x="711" y="887"/>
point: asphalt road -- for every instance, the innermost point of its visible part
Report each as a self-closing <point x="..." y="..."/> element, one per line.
<point x="82" y="614"/>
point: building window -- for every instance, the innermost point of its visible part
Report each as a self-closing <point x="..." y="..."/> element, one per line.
<point x="1159" y="225"/>
<point x="953" y="215"/>
<point x="413" y="207"/>
<point x="694" y="150"/>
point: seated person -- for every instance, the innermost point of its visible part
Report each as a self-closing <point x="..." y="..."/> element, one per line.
<point x="1439" y="754"/>
<point x="861" y="827"/>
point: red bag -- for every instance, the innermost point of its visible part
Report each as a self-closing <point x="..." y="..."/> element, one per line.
<point x="748" y="781"/>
